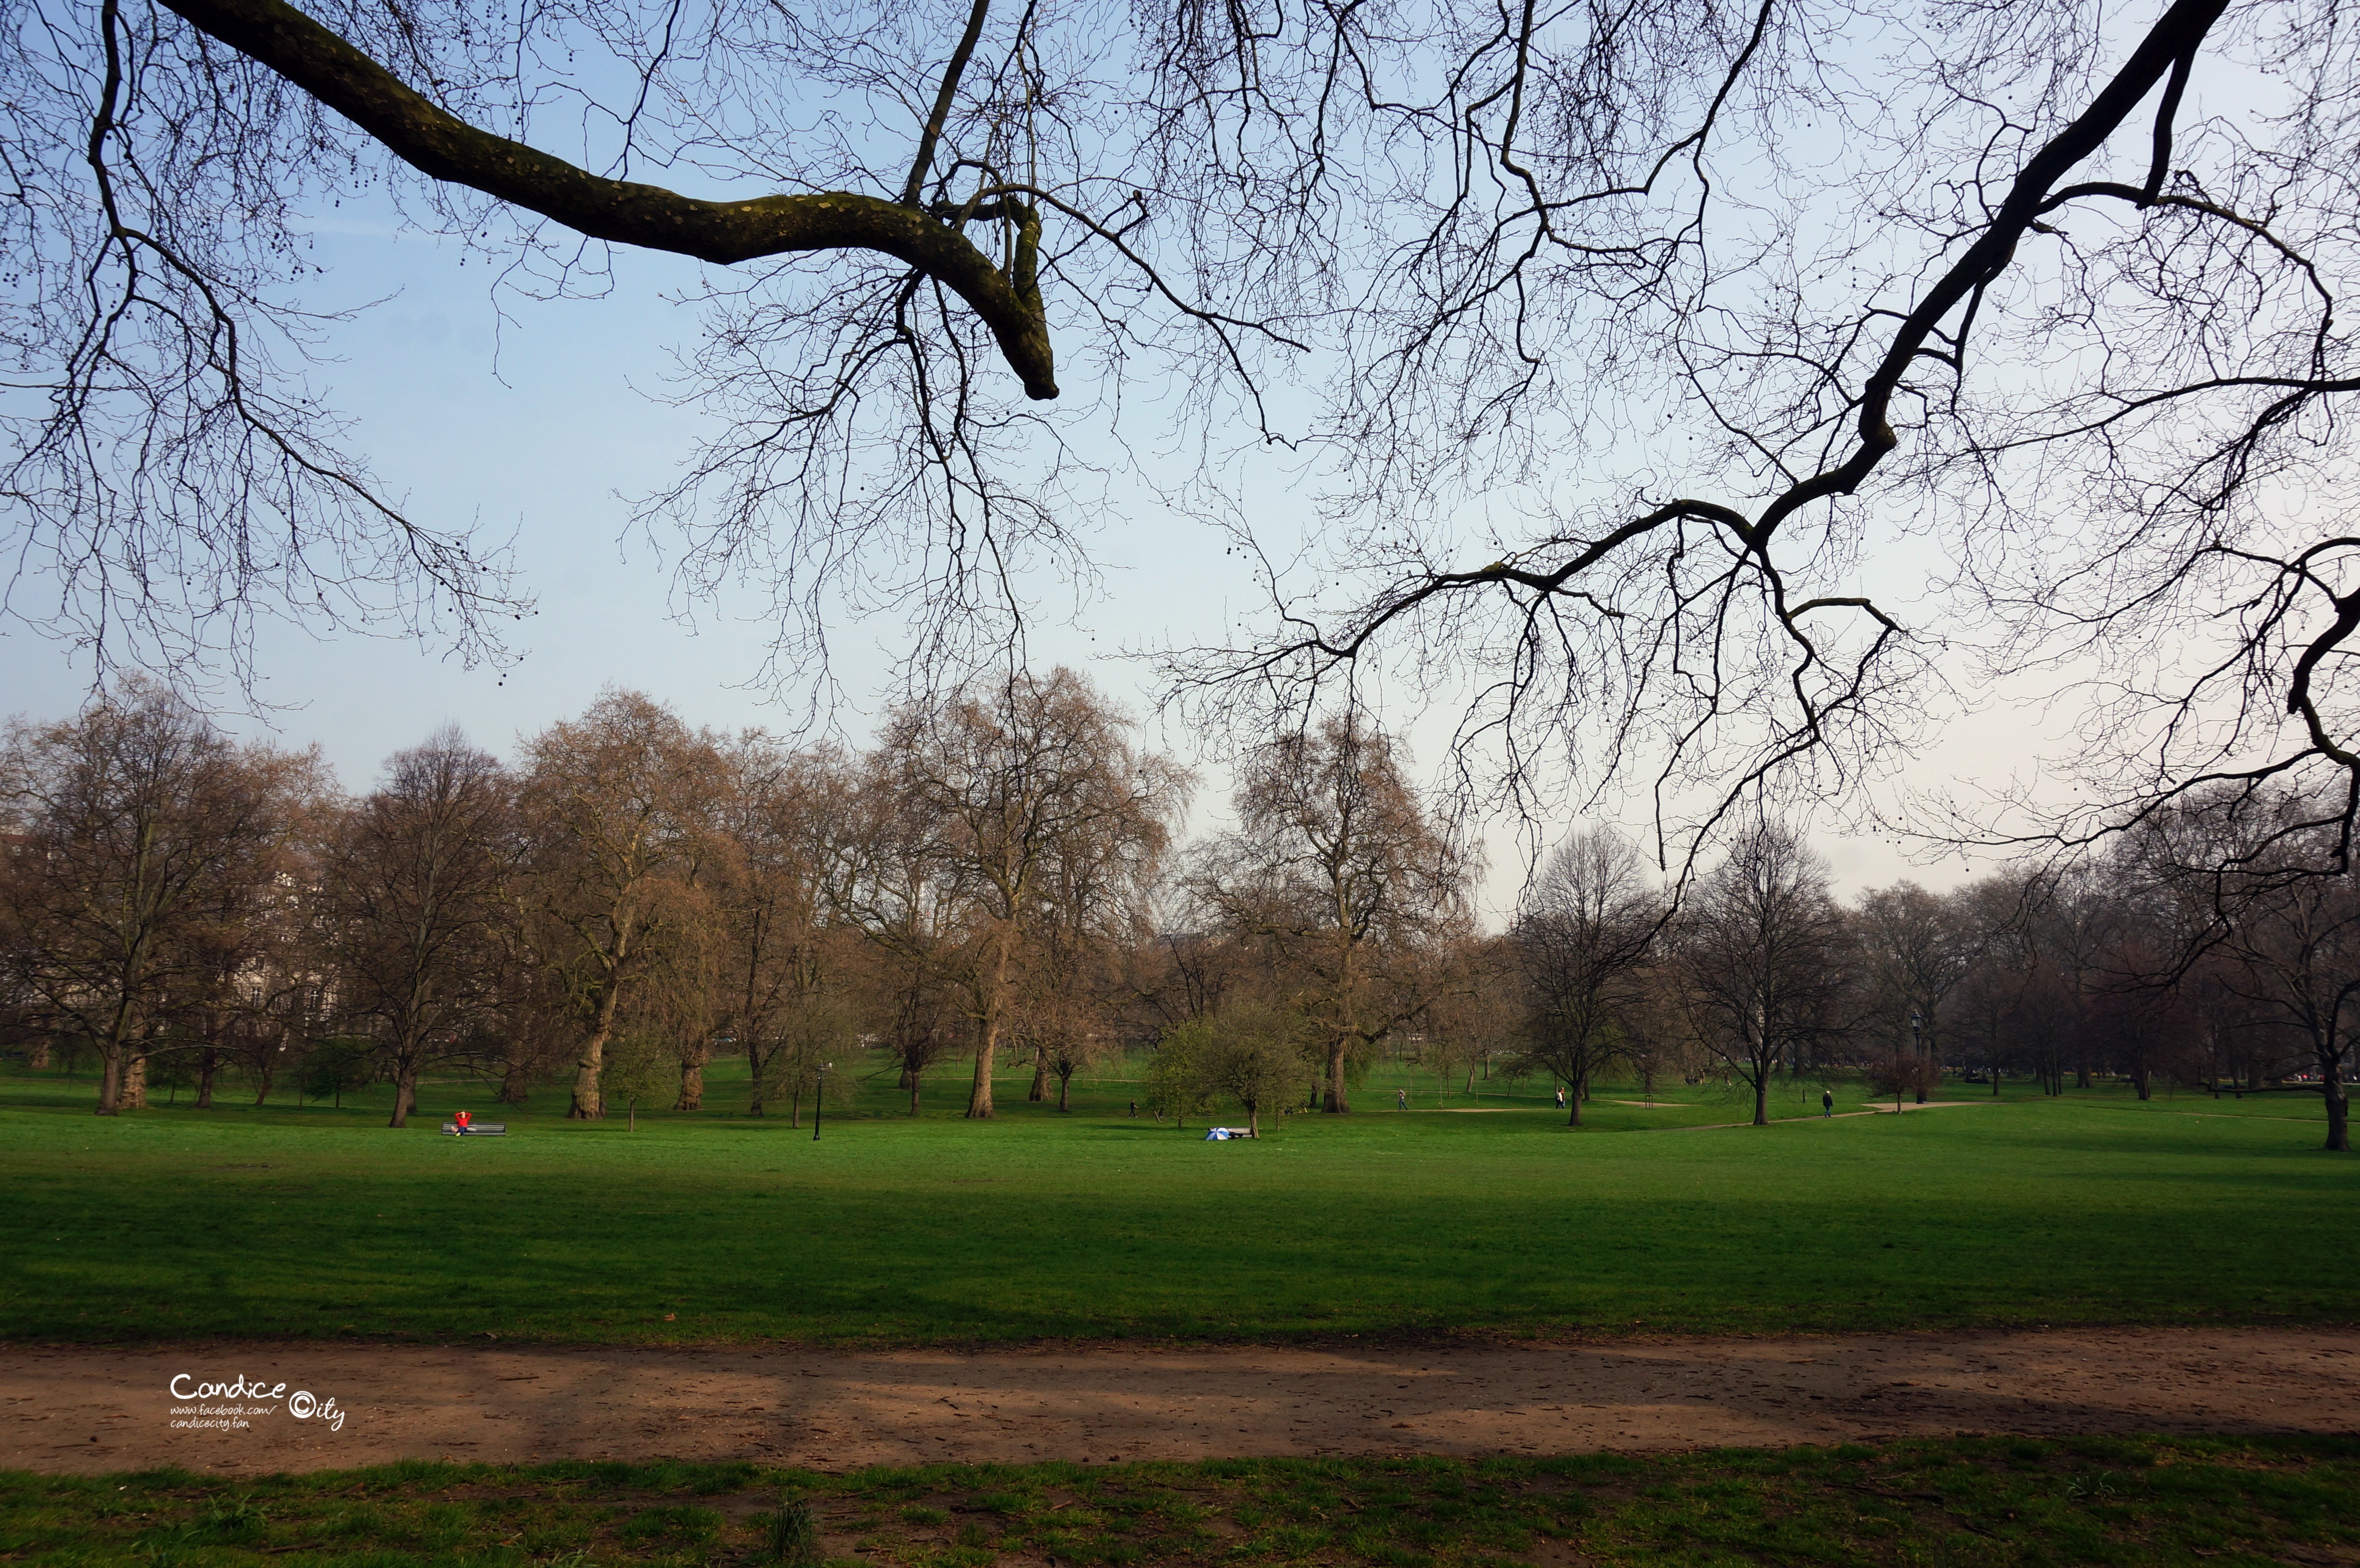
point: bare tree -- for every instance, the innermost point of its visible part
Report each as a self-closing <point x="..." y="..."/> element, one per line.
<point x="1759" y="955"/>
<point x="1714" y="327"/>
<point x="1336" y="866"/>
<point x="416" y="899"/>
<point x="777" y="821"/>
<point x="613" y="808"/>
<point x="1914" y="947"/>
<point x="1478" y="1018"/>
<point x="2291" y="941"/>
<point x="916" y="1017"/>
<point x="1018" y="776"/>
<point x="149" y="841"/>
<point x="1580" y="943"/>
<point x="177" y="475"/>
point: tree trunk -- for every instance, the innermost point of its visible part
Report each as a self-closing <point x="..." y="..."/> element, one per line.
<point x="110" y="1085"/>
<point x="36" y="1055"/>
<point x="208" y="1069"/>
<point x="1064" y="1083"/>
<point x="914" y="1092"/>
<point x="691" y="1084"/>
<point x="987" y="1038"/>
<point x="1336" y="1104"/>
<point x="134" y="1084"/>
<point x="795" y="1105"/>
<point x="2339" y="1103"/>
<point x="1041" y="1079"/>
<point x="987" y="1043"/>
<point x="753" y="1079"/>
<point x="1253" y="1119"/>
<point x="405" y="1095"/>
<point x="588" y="1106"/>
<point x="516" y="1083"/>
<point x="1762" y="1099"/>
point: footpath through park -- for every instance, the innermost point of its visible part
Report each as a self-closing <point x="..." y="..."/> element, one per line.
<point x="111" y="1407"/>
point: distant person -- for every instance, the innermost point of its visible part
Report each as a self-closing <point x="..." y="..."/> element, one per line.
<point x="1134" y="1110"/>
<point x="1826" y="1102"/>
<point x="1560" y="1096"/>
<point x="462" y="1118"/>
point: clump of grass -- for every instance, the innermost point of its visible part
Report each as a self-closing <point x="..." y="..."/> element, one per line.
<point x="791" y="1535"/>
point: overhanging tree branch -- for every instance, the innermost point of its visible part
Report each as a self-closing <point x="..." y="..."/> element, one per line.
<point x="442" y="146"/>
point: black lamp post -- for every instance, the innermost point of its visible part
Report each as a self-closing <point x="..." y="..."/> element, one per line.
<point x="819" y="1098"/>
<point x="1917" y="1053"/>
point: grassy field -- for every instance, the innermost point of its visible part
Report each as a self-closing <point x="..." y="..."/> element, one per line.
<point x="173" y="1223"/>
<point x="1963" y="1502"/>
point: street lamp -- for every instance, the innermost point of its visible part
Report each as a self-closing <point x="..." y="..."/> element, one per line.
<point x="820" y="1098"/>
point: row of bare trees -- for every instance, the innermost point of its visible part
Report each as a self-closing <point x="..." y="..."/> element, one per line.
<point x="2203" y="950"/>
<point x="997" y="877"/>
<point x="630" y="896"/>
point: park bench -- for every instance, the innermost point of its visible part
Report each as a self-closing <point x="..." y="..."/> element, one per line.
<point x="475" y="1129"/>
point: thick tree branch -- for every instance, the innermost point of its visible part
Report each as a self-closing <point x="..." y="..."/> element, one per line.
<point x="445" y="147"/>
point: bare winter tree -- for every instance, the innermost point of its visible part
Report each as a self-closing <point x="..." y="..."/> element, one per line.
<point x="1336" y="866"/>
<point x="417" y="904"/>
<point x="1710" y="322"/>
<point x="2290" y="944"/>
<point x="777" y="821"/>
<point x="1580" y="942"/>
<point x="1914" y="949"/>
<point x="149" y="841"/>
<point x="614" y="814"/>
<point x="1759" y="956"/>
<point x="889" y="879"/>
<point x="902" y="208"/>
<point x="1028" y="786"/>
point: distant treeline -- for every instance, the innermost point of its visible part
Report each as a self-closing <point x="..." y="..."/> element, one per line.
<point x="997" y="878"/>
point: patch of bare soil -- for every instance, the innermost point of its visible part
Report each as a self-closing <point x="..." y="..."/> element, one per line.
<point x="82" y="1410"/>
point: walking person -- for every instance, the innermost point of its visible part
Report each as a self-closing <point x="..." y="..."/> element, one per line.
<point x="1401" y="1099"/>
<point x="1826" y="1102"/>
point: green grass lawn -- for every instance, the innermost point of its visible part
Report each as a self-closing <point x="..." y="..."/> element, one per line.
<point x="1967" y="1502"/>
<point x="173" y="1223"/>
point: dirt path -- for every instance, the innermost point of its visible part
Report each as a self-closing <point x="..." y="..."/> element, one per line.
<point x="83" y="1409"/>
